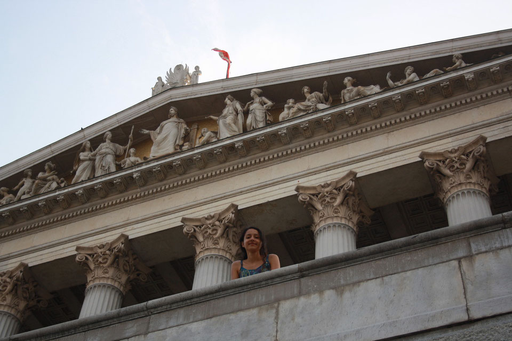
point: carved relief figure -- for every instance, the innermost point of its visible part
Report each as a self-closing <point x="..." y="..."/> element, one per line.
<point x="207" y="136"/>
<point x="288" y="107"/>
<point x="410" y="76"/>
<point x="47" y="180"/>
<point x="84" y="163"/>
<point x="159" y="86"/>
<point x="258" y="110"/>
<point x="25" y="186"/>
<point x="6" y="196"/>
<point x="351" y="92"/>
<point x="194" y="77"/>
<point x="434" y="72"/>
<point x="314" y="101"/>
<point x="231" y="120"/>
<point x="106" y="154"/>
<point x="179" y="77"/>
<point x="130" y="161"/>
<point x="457" y="59"/>
<point x="169" y="135"/>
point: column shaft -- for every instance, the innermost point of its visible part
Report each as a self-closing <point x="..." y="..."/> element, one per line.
<point x="466" y="205"/>
<point x="100" y="298"/>
<point x="211" y="270"/>
<point x="9" y="324"/>
<point x="334" y="238"/>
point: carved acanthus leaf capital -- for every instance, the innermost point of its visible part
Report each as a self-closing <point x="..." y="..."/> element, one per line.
<point x="335" y="201"/>
<point x="112" y="263"/>
<point x="20" y="291"/>
<point x="464" y="167"/>
<point x="215" y="233"/>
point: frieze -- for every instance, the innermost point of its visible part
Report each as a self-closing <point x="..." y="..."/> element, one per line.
<point x="178" y="163"/>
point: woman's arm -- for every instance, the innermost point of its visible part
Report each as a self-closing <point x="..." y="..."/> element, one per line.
<point x="274" y="261"/>
<point x="235" y="270"/>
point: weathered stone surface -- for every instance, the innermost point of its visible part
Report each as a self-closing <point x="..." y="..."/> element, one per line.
<point x="492" y="329"/>
<point x="487" y="280"/>
<point x="383" y="307"/>
<point x="254" y="324"/>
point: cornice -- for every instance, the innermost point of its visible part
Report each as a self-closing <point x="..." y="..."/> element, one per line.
<point x="389" y="110"/>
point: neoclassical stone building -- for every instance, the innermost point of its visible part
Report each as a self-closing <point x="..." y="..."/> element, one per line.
<point x="390" y="210"/>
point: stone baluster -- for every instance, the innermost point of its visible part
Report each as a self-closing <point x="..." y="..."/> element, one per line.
<point x="337" y="208"/>
<point x="109" y="268"/>
<point x="463" y="180"/>
<point x="18" y="292"/>
<point x="215" y="238"/>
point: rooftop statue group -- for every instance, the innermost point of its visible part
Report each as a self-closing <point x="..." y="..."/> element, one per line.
<point x="179" y="77"/>
<point x="171" y="134"/>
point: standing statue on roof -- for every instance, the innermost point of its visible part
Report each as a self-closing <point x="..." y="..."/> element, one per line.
<point x="224" y="56"/>
<point x="194" y="77"/>
<point x="159" y="86"/>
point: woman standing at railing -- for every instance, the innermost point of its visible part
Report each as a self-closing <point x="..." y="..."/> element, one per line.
<point x="255" y="258"/>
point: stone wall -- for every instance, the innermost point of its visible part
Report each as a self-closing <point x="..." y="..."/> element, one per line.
<point x="457" y="276"/>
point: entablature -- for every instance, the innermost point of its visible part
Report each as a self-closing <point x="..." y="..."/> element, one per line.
<point x="362" y="118"/>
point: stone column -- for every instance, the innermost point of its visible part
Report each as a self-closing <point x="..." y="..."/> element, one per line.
<point x="215" y="238"/>
<point x="337" y="208"/>
<point x="109" y="268"/>
<point x="18" y="292"/>
<point x="463" y="180"/>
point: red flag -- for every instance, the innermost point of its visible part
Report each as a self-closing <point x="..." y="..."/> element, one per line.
<point x="224" y="56"/>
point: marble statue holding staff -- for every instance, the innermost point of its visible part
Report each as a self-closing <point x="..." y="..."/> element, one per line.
<point x="106" y="154"/>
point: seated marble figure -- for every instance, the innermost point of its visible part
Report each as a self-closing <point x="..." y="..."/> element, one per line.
<point x="352" y="92"/>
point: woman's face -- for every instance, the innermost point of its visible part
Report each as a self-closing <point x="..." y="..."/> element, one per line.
<point x="87" y="145"/>
<point x="252" y="241"/>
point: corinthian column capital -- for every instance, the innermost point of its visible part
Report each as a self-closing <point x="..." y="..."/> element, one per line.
<point x="20" y="291"/>
<point x="112" y="263"/>
<point x="216" y="233"/>
<point x="337" y="201"/>
<point x="461" y="168"/>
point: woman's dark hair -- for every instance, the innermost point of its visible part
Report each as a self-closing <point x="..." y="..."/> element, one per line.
<point x="263" y="250"/>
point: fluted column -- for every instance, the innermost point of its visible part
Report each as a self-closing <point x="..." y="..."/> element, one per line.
<point x="463" y="180"/>
<point x="337" y="208"/>
<point x="109" y="268"/>
<point x="18" y="292"/>
<point x="215" y="238"/>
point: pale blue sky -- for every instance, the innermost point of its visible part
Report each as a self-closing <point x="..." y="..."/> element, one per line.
<point x="67" y="64"/>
